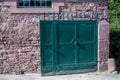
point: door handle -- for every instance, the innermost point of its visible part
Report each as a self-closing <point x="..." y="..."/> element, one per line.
<point x="76" y="44"/>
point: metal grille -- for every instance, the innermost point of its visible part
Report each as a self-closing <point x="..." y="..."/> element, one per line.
<point x="68" y="16"/>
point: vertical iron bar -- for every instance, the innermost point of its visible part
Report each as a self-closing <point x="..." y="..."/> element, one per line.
<point x="63" y="15"/>
<point x="92" y="15"/>
<point x="67" y="16"/>
<point x="76" y="16"/>
<point x="72" y="16"/>
<point x="88" y="15"/>
<point x="96" y="16"/>
<point x="48" y="16"/>
<point x="39" y="16"/>
<point x="44" y="15"/>
<point x="58" y="16"/>
<point x="80" y="15"/>
<point x="84" y="16"/>
<point x="53" y="16"/>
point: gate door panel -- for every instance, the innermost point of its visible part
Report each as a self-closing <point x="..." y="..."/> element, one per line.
<point x="47" y="47"/>
<point x="68" y="46"/>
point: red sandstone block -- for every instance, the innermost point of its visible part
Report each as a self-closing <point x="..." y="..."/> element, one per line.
<point x="103" y="45"/>
<point x="103" y="30"/>
<point x="103" y="66"/>
<point x="103" y="50"/>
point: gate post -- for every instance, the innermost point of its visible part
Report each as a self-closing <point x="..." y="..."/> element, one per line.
<point x="103" y="45"/>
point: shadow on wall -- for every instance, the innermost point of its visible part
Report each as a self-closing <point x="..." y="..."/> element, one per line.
<point x="115" y="46"/>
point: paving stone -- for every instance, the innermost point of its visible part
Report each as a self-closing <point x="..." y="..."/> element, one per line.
<point x="70" y="77"/>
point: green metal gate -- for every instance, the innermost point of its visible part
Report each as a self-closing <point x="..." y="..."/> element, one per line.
<point x="68" y="46"/>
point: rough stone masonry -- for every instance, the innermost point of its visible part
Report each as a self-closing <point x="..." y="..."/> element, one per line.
<point x="20" y="37"/>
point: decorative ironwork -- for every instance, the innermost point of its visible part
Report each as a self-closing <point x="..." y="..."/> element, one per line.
<point x="68" y="16"/>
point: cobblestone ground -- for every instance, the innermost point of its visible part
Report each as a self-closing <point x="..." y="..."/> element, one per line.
<point x="65" y="77"/>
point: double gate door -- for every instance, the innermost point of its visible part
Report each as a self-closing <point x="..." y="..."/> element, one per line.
<point x="68" y="46"/>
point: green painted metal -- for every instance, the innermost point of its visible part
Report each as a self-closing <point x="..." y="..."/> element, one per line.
<point x="68" y="46"/>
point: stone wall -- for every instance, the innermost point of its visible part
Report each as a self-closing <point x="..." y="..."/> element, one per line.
<point x="87" y="8"/>
<point x="19" y="42"/>
<point x="19" y="35"/>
